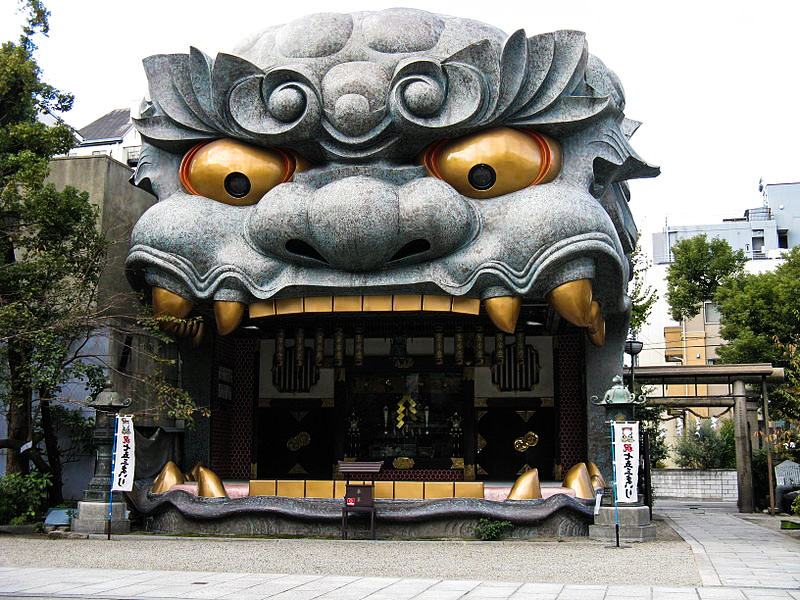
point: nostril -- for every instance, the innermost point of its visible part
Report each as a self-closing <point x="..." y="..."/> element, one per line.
<point x="411" y="248"/>
<point x="304" y="249"/>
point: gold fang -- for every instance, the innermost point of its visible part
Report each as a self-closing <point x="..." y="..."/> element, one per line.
<point x="504" y="311"/>
<point x="526" y="487"/>
<point x="598" y="481"/>
<point x="229" y="315"/>
<point x="209" y="485"/>
<point x="170" y="475"/>
<point x="166" y="303"/>
<point x="573" y="301"/>
<point x="597" y="330"/>
<point x="578" y="479"/>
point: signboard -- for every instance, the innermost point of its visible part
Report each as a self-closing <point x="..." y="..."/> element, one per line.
<point x="124" y="456"/>
<point x="625" y="442"/>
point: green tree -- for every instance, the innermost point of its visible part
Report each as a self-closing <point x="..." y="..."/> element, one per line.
<point x="642" y="295"/>
<point x="52" y="256"/>
<point x="699" y="267"/>
<point x="760" y="316"/>
<point x="706" y="448"/>
<point x="51" y="253"/>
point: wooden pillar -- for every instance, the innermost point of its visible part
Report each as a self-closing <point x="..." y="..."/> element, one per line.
<point x="744" y="466"/>
<point x="768" y="445"/>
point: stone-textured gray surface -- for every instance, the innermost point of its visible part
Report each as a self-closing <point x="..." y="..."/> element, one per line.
<point x="180" y="512"/>
<point x="361" y="96"/>
<point x="554" y="560"/>
<point x="717" y="485"/>
<point x="737" y="560"/>
<point x="634" y="524"/>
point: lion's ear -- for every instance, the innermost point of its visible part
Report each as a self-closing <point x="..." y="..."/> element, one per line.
<point x="157" y="172"/>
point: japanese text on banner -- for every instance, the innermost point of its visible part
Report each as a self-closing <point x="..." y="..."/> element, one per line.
<point x="626" y="460"/>
<point x="124" y="456"/>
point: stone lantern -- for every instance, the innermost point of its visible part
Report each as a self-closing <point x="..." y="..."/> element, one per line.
<point x="93" y="509"/>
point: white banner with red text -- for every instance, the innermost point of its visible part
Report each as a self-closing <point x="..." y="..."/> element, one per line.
<point x="124" y="456"/>
<point x="626" y="460"/>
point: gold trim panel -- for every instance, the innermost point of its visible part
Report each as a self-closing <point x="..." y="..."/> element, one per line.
<point x="377" y="303"/>
<point x="410" y="302"/>
<point x="381" y="303"/>
<point x="263" y="308"/>
<point x="347" y="304"/>
<point x="320" y="304"/>
<point x="437" y="303"/>
<point x="288" y="306"/>
<point x="467" y="306"/>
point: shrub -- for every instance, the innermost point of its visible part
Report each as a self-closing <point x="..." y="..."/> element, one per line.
<point x="727" y="434"/>
<point x="22" y="497"/>
<point x="491" y="529"/>
<point x="796" y="506"/>
<point x="707" y="448"/>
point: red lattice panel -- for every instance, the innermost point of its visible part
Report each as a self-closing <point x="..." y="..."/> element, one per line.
<point x="571" y="403"/>
<point x="232" y="420"/>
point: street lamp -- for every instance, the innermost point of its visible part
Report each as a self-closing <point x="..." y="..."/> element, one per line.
<point x="632" y="348"/>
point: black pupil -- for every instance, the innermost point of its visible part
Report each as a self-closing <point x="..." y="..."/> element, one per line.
<point x="482" y="177"/>
<point x="237" y="184"/>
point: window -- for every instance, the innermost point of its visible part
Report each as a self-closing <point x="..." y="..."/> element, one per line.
<point x="711" y="312"/>
<point x="783" y="238"/>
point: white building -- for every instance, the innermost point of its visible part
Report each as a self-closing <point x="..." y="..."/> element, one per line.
<point x="113" y="135"/>
<point x="762" y="233"/>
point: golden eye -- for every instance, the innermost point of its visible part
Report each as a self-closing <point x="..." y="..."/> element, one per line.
<point x="233" y="172"/>
<point x="495" y="162"/>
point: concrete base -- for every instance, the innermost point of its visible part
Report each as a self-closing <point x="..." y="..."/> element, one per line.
<point x="93" y="516"/>
<point x="634" y="524"/>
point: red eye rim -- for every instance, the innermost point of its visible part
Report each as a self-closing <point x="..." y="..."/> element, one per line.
<point x="547" y="155"/>
<point x="289" y="164"/>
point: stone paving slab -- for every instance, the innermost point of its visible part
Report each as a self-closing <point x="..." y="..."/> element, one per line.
<point x="732" y="551"/>
<point x="107" y="584"/>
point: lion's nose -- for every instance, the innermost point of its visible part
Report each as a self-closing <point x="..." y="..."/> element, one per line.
<point x="355" y="223"/>
<point x="362" y="224"/>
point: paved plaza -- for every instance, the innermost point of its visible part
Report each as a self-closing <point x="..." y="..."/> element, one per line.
<point x="723" y="557"/>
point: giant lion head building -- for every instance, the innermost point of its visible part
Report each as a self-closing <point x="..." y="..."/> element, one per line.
<point x="395" y="236"/>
